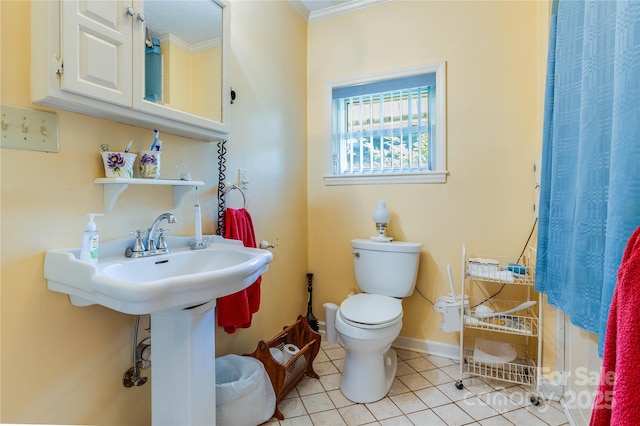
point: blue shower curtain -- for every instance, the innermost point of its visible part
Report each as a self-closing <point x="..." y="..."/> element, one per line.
<point x="590" y="183"/>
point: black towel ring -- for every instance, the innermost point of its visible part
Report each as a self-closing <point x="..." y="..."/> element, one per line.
<point x="231" y="188"/>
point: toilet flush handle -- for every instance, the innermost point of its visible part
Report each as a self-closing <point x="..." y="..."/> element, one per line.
<point x="356" y="253"/>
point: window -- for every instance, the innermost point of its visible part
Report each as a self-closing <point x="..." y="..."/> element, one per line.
<point x="389" y="128"/>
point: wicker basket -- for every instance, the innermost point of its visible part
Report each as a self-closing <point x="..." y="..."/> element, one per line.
<point x="284" y="377"/>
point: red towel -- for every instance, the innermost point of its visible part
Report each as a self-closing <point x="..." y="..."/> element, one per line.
<point x="617" y="400"/>
<point x="235" y="310"/>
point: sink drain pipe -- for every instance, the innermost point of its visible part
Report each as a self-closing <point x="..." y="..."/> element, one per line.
<point x="132" y="376"/>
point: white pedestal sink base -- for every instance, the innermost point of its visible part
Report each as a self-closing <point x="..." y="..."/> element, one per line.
<point x="183" y="381"/>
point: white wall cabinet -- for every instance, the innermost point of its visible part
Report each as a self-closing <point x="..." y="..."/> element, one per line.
<point x="89" y="57"/>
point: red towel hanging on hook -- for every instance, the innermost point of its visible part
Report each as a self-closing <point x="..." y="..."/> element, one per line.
<point x="235" y="310"/>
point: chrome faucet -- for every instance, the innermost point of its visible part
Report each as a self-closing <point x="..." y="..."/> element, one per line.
<point x="151" y="232"/>
<point x="141" y="249"/>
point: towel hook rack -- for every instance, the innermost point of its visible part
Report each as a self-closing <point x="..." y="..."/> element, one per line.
<point x="231" y="188"/>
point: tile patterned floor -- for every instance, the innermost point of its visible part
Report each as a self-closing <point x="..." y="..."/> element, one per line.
<point x="423" y="394"/>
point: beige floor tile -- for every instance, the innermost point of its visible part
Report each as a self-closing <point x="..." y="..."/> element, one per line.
<point x="406" y="354"/>
<point x="475" y="408"/>
<point x="292" y="407"/>
<point x="331" y="382"/>
<point x="420" y="364"/>
<point x="498" y="384"/>
<point x="477" y="386"/>
<point x="404" y="368"/>
<point x="495" y="421"/>
<point x="415" y="381"/>
<point x="439" y="361"/>
<point x="335" y="353"/>
<point x="271" y="422"/>
<point x="293" y="393"/>
<point x="499" y="401"/>
<point x="339" y="363"/>
<point x="325" y="368"/>
<point x="297" y="421"/>
<point x="437" y="376"/>
<point x="523" y="417"/>
<point x="548" y="414"/>
<point x="321" y="357"/>
<point x="308" y="386"/>
<point x="453" y="415"/>
<point x="327" y="418"/>
<point x="384" y="409"/>
<point x="432" y="397"/>
<point x="355" y="415"/>
<point x="398" y="387"/>
<point x="338" y="399"/>
<point x="396" y="421"/>
<point x="408" y="402"/>
<point x="518" y="394"/>
<point x="453" y="393"/>
<point x="317" y="402"/>
<point x="325" y="345"/>
<point x="453" y="370"/>
<point x="425" y="417"/>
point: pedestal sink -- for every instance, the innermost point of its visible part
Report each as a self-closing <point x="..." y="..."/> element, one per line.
<point x="179" y="290"/>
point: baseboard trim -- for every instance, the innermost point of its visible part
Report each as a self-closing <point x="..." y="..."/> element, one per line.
<point x="430" y="347"/>
<point x="567" y="412"/>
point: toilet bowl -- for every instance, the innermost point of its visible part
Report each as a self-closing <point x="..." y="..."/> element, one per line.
<point x="370" y="364"/>
<point x="368" y="323"/>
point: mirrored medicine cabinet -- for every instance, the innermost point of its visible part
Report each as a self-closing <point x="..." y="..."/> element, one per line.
<point x="159" y="64"/>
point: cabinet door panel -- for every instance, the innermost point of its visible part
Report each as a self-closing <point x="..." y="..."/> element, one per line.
<point x="96" y="50"/>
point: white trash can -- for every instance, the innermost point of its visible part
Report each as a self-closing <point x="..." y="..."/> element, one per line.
<point x="244" y="395"/>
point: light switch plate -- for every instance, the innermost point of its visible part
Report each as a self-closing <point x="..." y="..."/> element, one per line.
<point x="29" y="129"/>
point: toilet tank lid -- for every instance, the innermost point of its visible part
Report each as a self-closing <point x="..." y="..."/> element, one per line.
<point x="393" y="246"/>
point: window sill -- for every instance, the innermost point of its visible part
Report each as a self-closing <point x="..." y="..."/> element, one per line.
<point x="387" y="178"/>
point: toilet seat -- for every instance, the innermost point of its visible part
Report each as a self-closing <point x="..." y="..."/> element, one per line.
<point x="370" y="310"/>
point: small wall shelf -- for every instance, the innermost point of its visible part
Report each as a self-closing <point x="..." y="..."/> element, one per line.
<point x="113" y="187"/>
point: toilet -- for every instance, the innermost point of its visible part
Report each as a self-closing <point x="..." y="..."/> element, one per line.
<point x="367" y="323"/>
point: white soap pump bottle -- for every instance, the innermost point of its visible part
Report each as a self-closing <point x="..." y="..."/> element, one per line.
<point x="90" y="241"/>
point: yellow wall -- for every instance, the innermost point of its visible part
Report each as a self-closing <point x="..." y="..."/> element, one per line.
<point x="207" y="70"/>
<point x="494" y="116"/>
<point x="176" y="70"/>
<point x="62" y="364"/>
<point x="190" y="79"/>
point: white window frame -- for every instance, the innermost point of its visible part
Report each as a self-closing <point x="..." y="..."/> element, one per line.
<point x="438" y="174"/>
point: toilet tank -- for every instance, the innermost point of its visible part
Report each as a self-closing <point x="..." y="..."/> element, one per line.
<point x="386" y="268"/>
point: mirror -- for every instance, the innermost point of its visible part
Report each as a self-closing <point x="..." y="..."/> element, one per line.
<point x="183" y="56"/>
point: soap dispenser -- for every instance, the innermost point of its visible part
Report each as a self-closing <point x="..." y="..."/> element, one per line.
<point x="90" y="241"/>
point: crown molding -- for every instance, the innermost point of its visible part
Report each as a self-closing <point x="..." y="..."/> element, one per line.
<point x="332" y="11"/>
<point x="299" y="7"/>
<point x="344" y="8"/>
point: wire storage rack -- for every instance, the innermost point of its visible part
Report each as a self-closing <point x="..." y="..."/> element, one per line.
<point x="501" y="339"/>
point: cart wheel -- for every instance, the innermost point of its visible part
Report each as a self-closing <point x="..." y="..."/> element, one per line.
<point x="459" y="384"/>
<point x="535" y="400"/>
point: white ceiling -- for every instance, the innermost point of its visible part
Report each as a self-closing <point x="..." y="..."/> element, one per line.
<point x="315" y="5"/>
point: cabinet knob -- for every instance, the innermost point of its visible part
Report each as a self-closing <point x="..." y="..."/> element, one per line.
<point x="130" y="11"/>
<point x="141" y="17"/>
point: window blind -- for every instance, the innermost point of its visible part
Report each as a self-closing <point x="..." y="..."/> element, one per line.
<point x="384" y="127"/>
